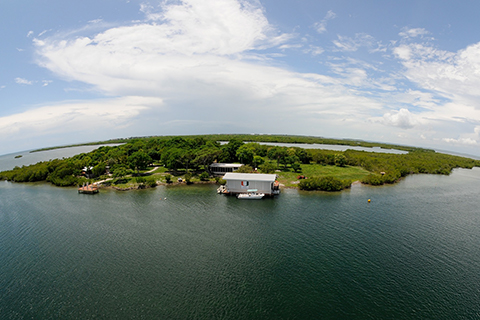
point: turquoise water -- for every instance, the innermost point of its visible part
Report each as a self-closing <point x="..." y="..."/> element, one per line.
<point x="411" y="253"/>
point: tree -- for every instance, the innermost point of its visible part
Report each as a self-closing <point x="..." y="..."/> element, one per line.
<point x="268" y="167"/>
<point x="170" y="158"/>
<point x="204" y="176"/>
<point x="99" y="169"/>
<point x="245" y="169"/>
<point x="245" y="154"/>
<point x="206" y="155"/>
<point x="231" y="150"/>
<point x="340" y="160"/>
<point x="296" y="166"/>
<point x="277" y="153"/>
<point x="119" y="172"/>
<point x="139" y="160"/>
<point x="257" y="160"/>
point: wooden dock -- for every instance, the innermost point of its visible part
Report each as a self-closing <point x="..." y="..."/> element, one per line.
<point x="88" y="189"/>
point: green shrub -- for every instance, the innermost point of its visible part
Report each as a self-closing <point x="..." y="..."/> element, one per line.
<point x="188" y="178"/>
<point x="151" y="182"/>
<point x="324" y="184"/>
<point x="296" y="167"/>
<point x="204" y="176"/>
<point x="140" y="180"/>
<point x="268" y="167"/>
<point x="245" y="169"/>
<point x="373" y="179"/>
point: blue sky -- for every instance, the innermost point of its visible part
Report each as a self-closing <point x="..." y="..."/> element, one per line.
<point x="404" y="72"/>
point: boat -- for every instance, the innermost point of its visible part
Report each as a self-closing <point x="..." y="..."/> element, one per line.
<point x="222" y="190"/>
<point x="251" y="194"/>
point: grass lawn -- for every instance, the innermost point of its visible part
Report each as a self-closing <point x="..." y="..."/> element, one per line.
<point x="317" y="170"/>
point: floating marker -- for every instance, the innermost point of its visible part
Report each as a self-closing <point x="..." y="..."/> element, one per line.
<point x="369" y="200"/>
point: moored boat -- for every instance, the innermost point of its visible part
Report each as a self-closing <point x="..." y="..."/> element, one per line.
<point x="251" y="195"/>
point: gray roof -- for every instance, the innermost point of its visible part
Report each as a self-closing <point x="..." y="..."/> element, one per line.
<point x="226" y="165"/>
<point x="250" y="176"/>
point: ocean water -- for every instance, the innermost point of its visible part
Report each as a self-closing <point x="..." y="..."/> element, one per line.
<point x="8" y="161"/>
<point x="186" y="252"/>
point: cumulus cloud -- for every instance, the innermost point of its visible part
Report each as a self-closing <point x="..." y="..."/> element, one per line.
<point x="477" y="130"/>
<point x="198" y="51"/>
<point x="402" y="118"/>
<point x="207" y="64"/>
<point x="202" y="67"/>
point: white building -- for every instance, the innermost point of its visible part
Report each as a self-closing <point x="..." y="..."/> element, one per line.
<point x="222" y="168"/>
<point x="242" y="182"/>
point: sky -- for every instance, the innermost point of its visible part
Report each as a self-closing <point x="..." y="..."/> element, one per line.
<point x="403" y="72"/>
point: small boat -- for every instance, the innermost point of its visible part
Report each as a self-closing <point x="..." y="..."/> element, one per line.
<point x="251" y="195"/>
<point x="222" y="189"/>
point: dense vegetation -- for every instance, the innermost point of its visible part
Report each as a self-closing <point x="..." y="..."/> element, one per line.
<point x="259" y="138"/>
<point x="191" y="157"/>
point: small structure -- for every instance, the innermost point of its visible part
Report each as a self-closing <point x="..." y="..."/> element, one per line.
<point x="222" y="168"/>
<point x="239" y="183"/>
<point x="87" y="172"/>
<point x="88" y="189"/>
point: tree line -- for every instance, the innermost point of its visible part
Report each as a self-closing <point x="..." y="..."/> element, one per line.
<point x="195" y="154"/>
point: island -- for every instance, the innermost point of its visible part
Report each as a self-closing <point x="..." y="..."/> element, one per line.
<point x="145" y="162"/>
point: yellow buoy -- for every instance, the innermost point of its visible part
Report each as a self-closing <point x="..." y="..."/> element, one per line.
<point x="368" y="200"/>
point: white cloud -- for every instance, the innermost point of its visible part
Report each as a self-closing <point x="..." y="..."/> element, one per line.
<point x="461" y="141"/>
<point x="76" y="116"/>
<point x="455" y="75"/>
<point x="321" y="26"/>
<point x="205" y="60"/>
<point x="352" y="44"/>
<point x="413" y="32"/>
<point x="477" y="130"/>
<point x="29" y="34"/>
<point x="314" y="50"/>
<point x="200" y="67"/>
<point x="402" y="118"/>
<point x="23" y="81"/>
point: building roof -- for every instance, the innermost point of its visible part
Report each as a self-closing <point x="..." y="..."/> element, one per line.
<point x="226" y="165"/>
<point x="250" y="176"/>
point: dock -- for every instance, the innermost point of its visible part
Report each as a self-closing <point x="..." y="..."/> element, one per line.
<point x="88" y="189"/>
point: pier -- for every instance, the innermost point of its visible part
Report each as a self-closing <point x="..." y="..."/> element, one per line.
<point x="88" y="189"/>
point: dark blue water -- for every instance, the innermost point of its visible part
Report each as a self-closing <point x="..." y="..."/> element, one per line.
<point x="413" y="252"/>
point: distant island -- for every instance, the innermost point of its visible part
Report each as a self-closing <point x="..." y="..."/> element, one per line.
<point x="143" y="162"/>
<point x="19" y="156"/>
